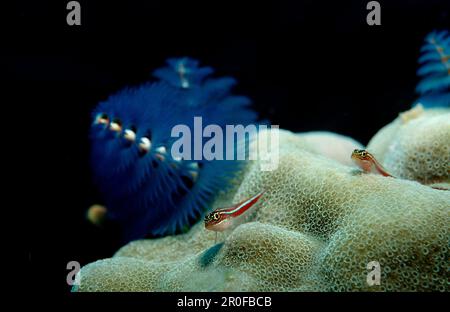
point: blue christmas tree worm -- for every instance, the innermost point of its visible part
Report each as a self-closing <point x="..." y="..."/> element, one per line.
<point x="146" y="189"/>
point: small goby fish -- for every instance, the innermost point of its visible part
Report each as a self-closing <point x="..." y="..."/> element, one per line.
<point x="368" y="163"/>
<point x="221" y="219"/>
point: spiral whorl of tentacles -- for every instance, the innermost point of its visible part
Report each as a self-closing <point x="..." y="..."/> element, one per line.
<point x="434" y="70"/>
<point x="146" y="189"/>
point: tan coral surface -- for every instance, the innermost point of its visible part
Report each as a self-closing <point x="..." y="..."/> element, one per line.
<point x="416" y="145"/>
<point x="318" y="225"/>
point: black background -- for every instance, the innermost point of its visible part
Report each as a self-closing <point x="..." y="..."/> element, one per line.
<point x="307" y="65"/>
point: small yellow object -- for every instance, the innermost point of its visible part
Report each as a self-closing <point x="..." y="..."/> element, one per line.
<point x="96" y="214"/>
<point x="413" y="113"/>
